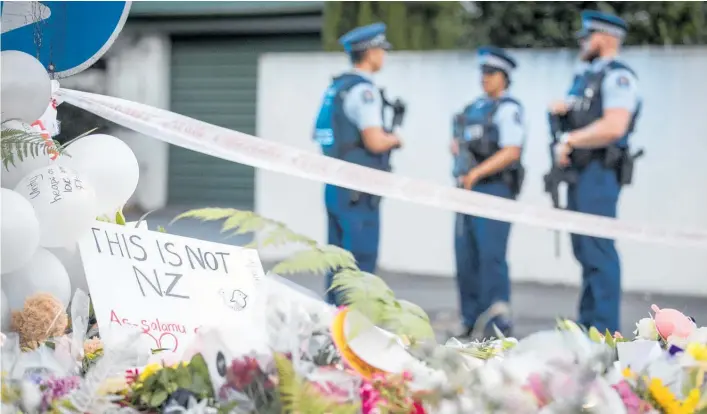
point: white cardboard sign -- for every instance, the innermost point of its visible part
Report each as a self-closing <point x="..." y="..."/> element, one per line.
<point x="168" y="286"/>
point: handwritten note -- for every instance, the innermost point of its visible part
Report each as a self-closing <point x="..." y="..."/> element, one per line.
<point x="166" y="285"/>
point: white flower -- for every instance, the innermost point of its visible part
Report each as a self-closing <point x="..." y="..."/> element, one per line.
<point x="699" y="335"/>
<point x="645" y="329"/>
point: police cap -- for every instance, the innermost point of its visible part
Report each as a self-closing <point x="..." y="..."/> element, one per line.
<point x="596" y="21"/>
<point x="494" y="59"/>
<point x="364" y="38"/>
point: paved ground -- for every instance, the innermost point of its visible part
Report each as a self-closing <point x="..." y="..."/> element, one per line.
<point x="535" y="306"/>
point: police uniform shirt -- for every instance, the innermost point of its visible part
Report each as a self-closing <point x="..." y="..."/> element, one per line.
<point x="509" y="121"/>
<point x="363" y="104"/>
<point x="619" y="89"/>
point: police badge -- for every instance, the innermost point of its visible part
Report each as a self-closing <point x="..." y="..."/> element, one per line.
<point x="367" y="96"/>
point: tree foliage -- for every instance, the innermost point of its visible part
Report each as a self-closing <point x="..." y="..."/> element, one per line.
<point x="451" y="25"/>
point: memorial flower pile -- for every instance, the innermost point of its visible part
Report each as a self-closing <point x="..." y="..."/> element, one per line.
<point x="306" y="361"/>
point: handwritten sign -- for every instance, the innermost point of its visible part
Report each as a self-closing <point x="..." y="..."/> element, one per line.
<point x="166" y="285"/>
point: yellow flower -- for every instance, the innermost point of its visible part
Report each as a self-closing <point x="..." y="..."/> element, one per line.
<point x="115" y="385"/>
<point x="148" y="371"/>
<point x="628" y="374"/>
<point x="667" y="401"/>
<point x="692" y="400"/>
<point x="697" y="351"/>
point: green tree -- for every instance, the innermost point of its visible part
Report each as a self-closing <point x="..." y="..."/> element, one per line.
<point x="411" y="25"/>
<point x="450" y="25"/>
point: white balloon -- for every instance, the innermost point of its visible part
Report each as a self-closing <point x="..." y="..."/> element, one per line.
<point x="63" y="202"/>
<point x="18" y="169"/>
<point x="71" y="259"/>
<point x="109" y="165"/>
<point x="6" y="313"/>
<point x="25" y="87"/>
<point x="43" y="274"/>
<point x="19" y="231"/>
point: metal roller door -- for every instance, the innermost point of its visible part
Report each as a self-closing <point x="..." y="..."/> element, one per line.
<point x="214" y="79"/>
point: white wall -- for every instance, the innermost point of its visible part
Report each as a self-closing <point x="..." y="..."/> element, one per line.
<point x="669" y="188"/>
<point x="138" y="69"/>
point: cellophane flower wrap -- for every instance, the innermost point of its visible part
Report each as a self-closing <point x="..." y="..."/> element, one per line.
<point x="297" y="338"/>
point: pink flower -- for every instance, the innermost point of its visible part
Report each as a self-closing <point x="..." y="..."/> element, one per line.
<point x="634" y="405"/>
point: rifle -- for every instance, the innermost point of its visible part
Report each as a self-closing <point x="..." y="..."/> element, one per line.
<point x="557" y="175"/>
<point x="398" y="111"/>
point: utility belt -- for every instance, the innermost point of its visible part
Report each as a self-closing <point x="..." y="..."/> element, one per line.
<point x="611" y="158"/>
<point x="357" y="197"/>
<point x="512" y="177"/>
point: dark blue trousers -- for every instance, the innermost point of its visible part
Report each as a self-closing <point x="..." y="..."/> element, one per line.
<point x="597" y="192"/>
<point x="358" y="233"/>
<point x="480" y="248"/>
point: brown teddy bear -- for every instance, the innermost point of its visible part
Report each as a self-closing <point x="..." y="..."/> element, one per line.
<point x="43" y="317"/>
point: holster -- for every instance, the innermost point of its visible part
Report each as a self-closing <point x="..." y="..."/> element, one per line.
<point x="613" y="158"/>
<point x="358" y="197"/>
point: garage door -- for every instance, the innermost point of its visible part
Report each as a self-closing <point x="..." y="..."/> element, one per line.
<point x="214" y="79"/>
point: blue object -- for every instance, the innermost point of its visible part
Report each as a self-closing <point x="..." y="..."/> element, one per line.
<point x="597" y="192"/>
<point x="353" y="217"/>
<point x="74" y="34"/>
<point x="596" y="21"/>
<point x="480" y="246"/>
<point x="588" y="96"/>
<point x="494" y="59"/>
<point x="477" y="123"/>
<point x="364" y="38"/>
<point x="357" y="233"/>
<point x="340" y="138"/>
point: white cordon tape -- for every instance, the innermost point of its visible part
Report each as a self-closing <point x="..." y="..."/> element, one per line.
<point x="260" y="153"/>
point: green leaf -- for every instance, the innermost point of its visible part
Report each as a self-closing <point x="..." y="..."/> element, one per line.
<point x="158" y="398"/>
<point x="161" y="229"/>
<point x="120" y="218"/>
<point x="413" y="309"/>
<point x="317" y="260"/>
<point x="17" y="145"/>
<point x="594" y="334"/>
<point x="206" y="214"/>
<point x="609" y="339"/>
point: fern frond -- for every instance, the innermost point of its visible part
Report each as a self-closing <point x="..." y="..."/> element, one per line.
<point x="405" y="323"/>
<point x="244" y="222"/>
<point x="299" y="397"/>
<point x="413" y="309"/>
<point x="317" y="260"/>
<point x="280" y="236"/>
<point x="206" y="214"/>
<point x="356" y="286"/>
<point x="17" y="145"/>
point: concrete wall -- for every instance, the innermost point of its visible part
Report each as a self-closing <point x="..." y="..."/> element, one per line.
<point x="670" y="188"/>
<point x="138" y="69"/>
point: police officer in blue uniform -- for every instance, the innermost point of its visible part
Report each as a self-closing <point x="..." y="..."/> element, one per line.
<point x="600" y="113"/>
<point x="488" y="137"/>
<point x="350" y="127"/>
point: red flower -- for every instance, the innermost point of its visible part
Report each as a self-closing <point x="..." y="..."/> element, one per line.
<point x="131" y="375"/>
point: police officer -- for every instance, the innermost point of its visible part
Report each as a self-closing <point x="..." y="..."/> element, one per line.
<point x="350" y="127"/>
<point x="600" y="111"/>
<point x="487" y="142"/>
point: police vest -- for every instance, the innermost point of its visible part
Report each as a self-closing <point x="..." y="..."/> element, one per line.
<point x="586" y="104"/>
<point x="337" y="135"/>
<point x="478" y="134"/>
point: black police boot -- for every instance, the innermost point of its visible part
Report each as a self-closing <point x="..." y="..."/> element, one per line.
<point x="463" y="335"/>
<point x="503" y="324"/>
<point x="499" y="314"/>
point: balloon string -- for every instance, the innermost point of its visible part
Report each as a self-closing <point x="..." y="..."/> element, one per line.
<point x="56" y="317"/>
